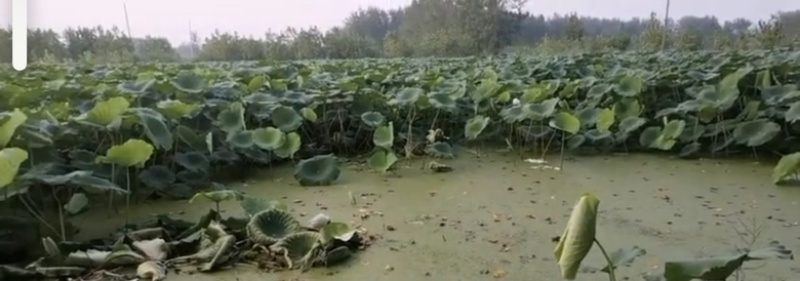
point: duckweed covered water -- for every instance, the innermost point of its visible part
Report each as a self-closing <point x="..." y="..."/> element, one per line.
<point x="495" y="216"/>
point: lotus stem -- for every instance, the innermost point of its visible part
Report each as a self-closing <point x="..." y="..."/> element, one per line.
<point x="127" y="196"/>
<point x="611" y="269"/>
<point x="60" y="214"/>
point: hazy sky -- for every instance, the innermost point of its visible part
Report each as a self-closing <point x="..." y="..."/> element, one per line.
<point x="170" y="18"/>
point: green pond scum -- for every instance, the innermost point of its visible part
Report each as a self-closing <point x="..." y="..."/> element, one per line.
<point x="464" y="169"/>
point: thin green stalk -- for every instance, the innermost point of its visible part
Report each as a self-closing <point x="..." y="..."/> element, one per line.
<point x="127" y="196"/>
<point x="611" y="269"/>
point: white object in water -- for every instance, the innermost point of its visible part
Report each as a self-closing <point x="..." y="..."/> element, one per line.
<point x="319" y="221"/>
<point x="515" y="101"/>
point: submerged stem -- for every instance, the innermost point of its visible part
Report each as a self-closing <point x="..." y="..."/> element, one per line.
<point x="611" y="269"/>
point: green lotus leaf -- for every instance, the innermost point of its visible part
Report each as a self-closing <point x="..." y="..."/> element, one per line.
<point x="627" y="107"/>
<point x="514" y="113"/>
<point x="36" y="133"/>
<point x="189" y="81"/>
<point x="539" y="111"/>
<point x="269" y="226"/>
<point x="194" y="178"/>
<point x="599" y="90"/>
<point x="407" y="96"/>
<point x="231" y="119"/>
<point x="76" y="204"/>
<point x="384" y="136"/>
<point x="488" y="88"/>
<point x="134" y="152"/>
<point x="154" y="127"/>
<point x="9" y="122"/>
<point x="382" y="160"/>
<point x="788" y="165"/>
<point x="260" y="98"/>
<point x="578" y="237"/>
<point x="193" y="161"/>
<point x="723" y="267"/>
<point x="106" y="113"/>
<point x="289" y="147"/>
<point x="96" y="185"/>
<point x="575" y="141"/>
<point x="157" y="177"/>
<point x="174" y="109"/>
<point x="595" y="135"/>
<point x="286" y="118"/>
<point x="631" y="123"/>
<point x="135" y="87"/>
<point x="373" y="118"/>
<point x="241" y="139"/>
<point x="442" y="101"/>
<point x="605" y="119"/>
<point x="588" y="116"/>
<point x="629" y="86"/>
<point x="256" y="83"/>
<point x="10" y="160"/>
<point x="189" y="137"/>
<point x="302" y="248"/>
<point x="336" y="231"/>
<point x="295" y="97"/>
<point x="475" y="126"/>
<point x="317" y="170"/>
<point x="690" y="149"/>
<point x="253" y="205"/>
<point x="268" y="138"/>
<point x="566" y="122"/>
<point x="756" y="132"/>
<point x="649" y="136"/>
<point x="440" y="150"/>
<point x="309" y="114"/>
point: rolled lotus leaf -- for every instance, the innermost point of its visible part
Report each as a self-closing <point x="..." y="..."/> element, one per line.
<point x="269" y="226"/>
<point x="302" y="248"/>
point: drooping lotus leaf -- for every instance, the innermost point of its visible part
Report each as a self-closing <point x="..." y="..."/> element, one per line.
<point x="539" y="111"/>
<point x="154" y="126"/>
<point x="575" y="141"/>
<point x="756" y="132"/>
<point x="286" y="118"/>
<point x="231" y="119"/>
<point x="157" y="177"/>
<point x="134" y="152"/>
<point x="302" y="248"/>
<point x="106" y="113"/>
<point x="241" y="139"/>
<point x="253" y="205"/>
<point x="9" y="122"/>
<point x="578" y="237"/>
<point x="631" y="123"/>
<point x="440" y="150"/>
<point x="193" y="161"/>
<point x="588" y="116"/>
<point x="10" y="160"/>
<point x="218" y="196"/>
<point x="373" y="118"/>
<point x="382" y="160"/>
<point x="566" y="122"/>
<point x="216" y="248"/>
<point x="514" y="113"/>
<point x="629" y="86"/>
<point x="788" y="165"/>
<point x="475" y="126"/>
<point x="189" y="81"/>
<point x="605" y="119"/>
<point x="384" y="136"/>
<point x="289" y="147"/>
<point x="174" y="109"/>
<point x="599" y="90"/>
<point x="135" y="87"/>
<point x="720" y="268"/>
<point x="268" y="138"/>
<point x="407" y="96"/>
<point x="669" y="136"/>
<point x="317" y="170"/>
<point x="76" y="204"/>
<point x="442" y="101"/>
<point x="309" y="114"/>
<point x="269" y="226"/>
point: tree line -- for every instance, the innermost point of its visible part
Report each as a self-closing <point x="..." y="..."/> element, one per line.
<point x="423" y="28"/>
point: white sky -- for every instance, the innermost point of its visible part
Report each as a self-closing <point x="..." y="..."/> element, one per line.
<point x="170" y="18"/>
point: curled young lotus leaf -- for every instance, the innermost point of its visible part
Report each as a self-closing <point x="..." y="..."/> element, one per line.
<point x="10" y="160"/>
<point x="756" y="132"/>
<point x="289" y="147"/>
<point x="373" y="118"/>
<point x="566" y="122"/>
<point x="286" y="118"/>
<point x="301" y="248"/>
<point x="154" y="126"/>
<point x="317" y="170"/>
<point x="9" y="122"/>
<point x="269" y="226"/>
<point x="133" y="152"/>
<point x="241" y="139"/>
<point x="384" y="136"/>
<point x="788" y="165"/>
<point x="407" y="96"/>
<point x="231" y="119"/>
<point x="157" y="177"/>
<point x="475" y="126"/>
<point x="174" y="109"/>
<point x="268" y="138"/>
<point x="105" y="113"/>
<point x="135" y="86"/>
<point x="189" y="81"/>
<point x="193" y="161"/>
<point x="440" y="150"/>
<point x="578" y="237"/>
<point x="382" y="160"/>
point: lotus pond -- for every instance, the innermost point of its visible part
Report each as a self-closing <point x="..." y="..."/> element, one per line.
<point x="116" y="138"/>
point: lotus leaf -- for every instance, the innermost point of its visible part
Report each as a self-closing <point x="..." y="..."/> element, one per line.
<point x="269" y="226"/>
<point x="575" y="141"/>
<point x="302" y="248"/>
<point x="135" y="87"/>
<point x="627" y="107"/>
<point x="384" y="136"/>
<point x="189" y="81"/>
<point x="134" y="152"/>
<point x="286" y="118"/>
<point x="9" y="122"/>
<point x="514" y="113"/>
<point x="241" y="139"/>
<point x="443" y="101"/>
<point x="154" y="127"/>
<point x="253" y="205"/>
<point x="440" y="150"/>
<point x="174" y="109"/>
<point x="289" y="147"/>
<point x="605" y="119"/>
<point x="268" y="138"/>
<point x="317" y="170"/>
<point x="157" y="177"/>
<point x="720" y="268"/>
<point x="475" y="126"/>
<point x="193" y="161"/>
<point x="309" y="114"/>
<point x="231" y="119"/>
<point x="192" y="177"/>
<point x="260" y="98"/>
<point x="336" y="231"/>
<point x="542" y="110"/>
<point x="373" y="118"/>
<point x="788" y="165"/>
<point x="756" y="132"/>
<point x="189" y="137"/>
<point x="382" y="160"/>
<point x="629" y="86"/>
<point x="668" y="137"/>
<point x="296" y="98"/>
<point x="256" y="83"/>
<point x="578" y="237"/>
<point x="649" y="136"/>
<point x="407" y="96"/>
<point x="106" y="113"/>
<point x="566" y="122"/>
<point x="218" y="196"/>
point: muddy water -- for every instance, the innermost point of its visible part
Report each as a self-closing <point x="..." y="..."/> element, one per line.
<point x="495" y="216"/>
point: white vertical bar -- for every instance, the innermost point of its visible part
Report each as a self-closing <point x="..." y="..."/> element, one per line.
<point x="19" y="31"/>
